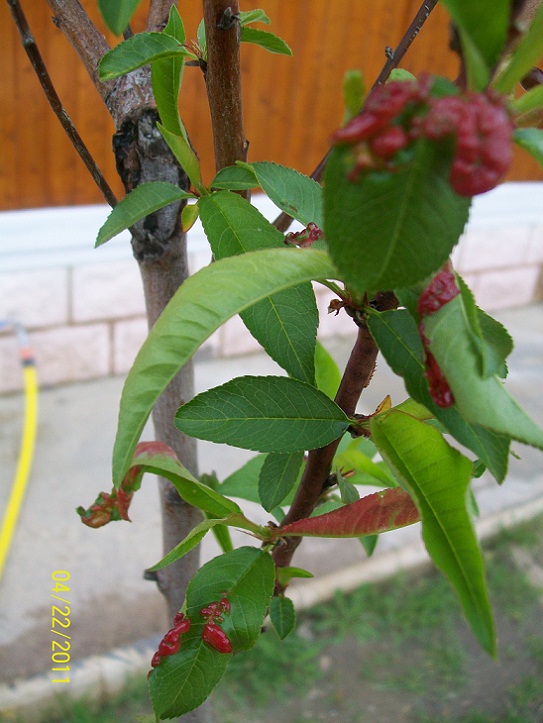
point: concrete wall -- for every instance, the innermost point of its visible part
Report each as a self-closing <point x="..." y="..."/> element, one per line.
<point x="84" y="308"/>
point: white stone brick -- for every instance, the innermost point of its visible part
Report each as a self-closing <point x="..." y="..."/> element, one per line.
<point x="107" y="291"/>
<point x="508" y="288"/>
<point x="535" y="252"/>
<point x="128" y="336"/>
<point x="72" y="353"/>
<point x="494" y="248"/>
<point x="11" y="376"/>
<point x="35" y="298"/>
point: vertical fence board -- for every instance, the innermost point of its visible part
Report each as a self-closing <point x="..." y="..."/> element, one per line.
<point x="291" y="104"/>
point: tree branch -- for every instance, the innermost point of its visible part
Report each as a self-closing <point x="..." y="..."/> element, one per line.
<point x="38" y="64"/>
<point x="88" y="42"/>
<point x="356" y="378"/>
<point x="283" y="221"/>
<point x="157" y="18"/>
<point x="223" y="80"/>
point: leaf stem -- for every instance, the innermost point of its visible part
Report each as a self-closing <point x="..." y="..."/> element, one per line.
<point x="40" y="68"/>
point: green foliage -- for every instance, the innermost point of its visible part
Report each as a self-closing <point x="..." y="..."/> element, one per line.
<point x="282" y="615"/>
<point x="382" y="228"/>
<point x="139" y="50"/>
<point x="531" y="139"/>
<point x="166" y="77"/>
<point x="437" y="477"/>
<point x="278" y="476"/>
<point x="138" y="204"/>
<point x="199" y="307"/>
<point x="117" y="13"/>
<point x="266" y="414"/>
<point x="526" y="54"/>
<point x="483" y="28"/>
<point x="270" y="42"/>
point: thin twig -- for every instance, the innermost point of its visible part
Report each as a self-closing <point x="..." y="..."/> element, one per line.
<point x="38" y="64"/>
<point x="223" y="81"/>
<point x="283" y="221"/>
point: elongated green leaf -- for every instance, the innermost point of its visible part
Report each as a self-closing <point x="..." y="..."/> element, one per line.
<point x="327" y="374"/>
<point x="437" y="477"/>
<point x="365" y="470"/>
<point x="484" y="401"/>
<point x="294" y="193"/>
<point x="531" y="139"/>
<point x="253" y="16"/>
<point x="240" y="177"/>
<point x="265" y="414"/>
<point x="182" y="150"/>
<point x="195" y="536"/>
<point x="285" y="574"/>
<point x="397" y="337"/>
<point x="278" y="476"/>
<point x="139" y="50"/>
<point x="378" y="512"/>
<point x="270" y="42"/>
<point x="347" y="490"/>
<point x="157" y="458"/>
<point x="282" y="615"/>
<point x="204" y="302"/>
<point x="285" y="323"/>
<point x="117" y="13"/>
<point x="527" y="54"/>
<point x="483" y="27"/>
<point x="388" y="230"/>
<point x="137" y="204"/>
<point x="243" y="483"/>
<point x="166" y="78"/>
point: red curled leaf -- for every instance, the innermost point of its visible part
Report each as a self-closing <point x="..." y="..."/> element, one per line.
<point x="378" y="512"/>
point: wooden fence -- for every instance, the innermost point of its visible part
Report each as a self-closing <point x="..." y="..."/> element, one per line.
<point x="291" y="104"/>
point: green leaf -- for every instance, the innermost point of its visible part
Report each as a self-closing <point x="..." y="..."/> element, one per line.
<point x="253" y="16"/>
<point x="183" y="681"/>
<point x="369" y="543"/>
<point x="117" y="13"/>
<point x="189" y="216"/>
<point x="270" y="42"/>
<point x="366" y="471"/>
<point x="294" y="193"/>
<point x="482" y="401"/>
<point x="265" y="414"/>
<point x="204" y="302"/>
<point x="240" y="177"/>
<point x="243" y="483"/>
<point x="483" y="28"/>
<point x="246" y="578"/>
<point x="139" y="50"/>
<point x="286" y="323"/>
<point x="195" y="536"/>
<point x="186" y="157"/>
<point x="526" y="104"/>
<point x="278" y="476"/>
<point x="166" y="78"/>
<point x="437" y="477"/>
<point x="163" y="462"/>
<point x="354" y="90"/>
<point x="137" y="204"/>
<point x="398" y="339"/>
<point x="327" y="374"/>
<point x="347" y="490"/>
<point x="531" y="139"/>
<point x="378" y="512"/>
<point x="282" y="615"/>
<point x="201" y="36"/>
<point x="388" y="230"/>
<point x="285" y="574"/>
<point x="527" y="54"/>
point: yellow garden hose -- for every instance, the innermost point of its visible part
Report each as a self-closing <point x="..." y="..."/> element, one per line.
<point x="27" y="447"/>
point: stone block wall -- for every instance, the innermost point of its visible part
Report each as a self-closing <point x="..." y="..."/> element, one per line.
<point x="84" y="308"/>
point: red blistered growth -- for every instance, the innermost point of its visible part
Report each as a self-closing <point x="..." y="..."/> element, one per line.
<point x="306" y="237"/>
<point x="107" y="508"/>
<point x="215" y="636"/>
<point x="438" y="386"/>
<point x="171" y="642"/>
<point x="441" y="289"/>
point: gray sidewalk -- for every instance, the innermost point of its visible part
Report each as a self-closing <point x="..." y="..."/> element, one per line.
<point x="111" y="605"/>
